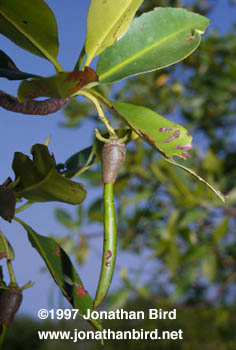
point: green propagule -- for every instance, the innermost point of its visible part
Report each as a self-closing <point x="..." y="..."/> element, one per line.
<point x="113" y="157"/>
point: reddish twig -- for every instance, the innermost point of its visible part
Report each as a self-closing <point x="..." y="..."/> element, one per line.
<point x="32" y="107"/>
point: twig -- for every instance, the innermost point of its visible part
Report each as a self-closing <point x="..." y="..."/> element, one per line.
<point x="31" y="107"/>
<point x="101" y="114"/>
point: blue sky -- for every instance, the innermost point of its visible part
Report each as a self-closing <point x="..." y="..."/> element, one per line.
<point x="19" y="133"/>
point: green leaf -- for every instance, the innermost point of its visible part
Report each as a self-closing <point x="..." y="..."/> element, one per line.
<point x="32" y="26"/>
<point x="95" y="212"/>
<point x="40" y="181"/>
<point x="6" y="250"/>
<point x="155" y="40"/>
<point x="221" y="230"/>
<point x="194" y="215"/>
<point x="192" y="172"/>
<point x="82" y="250"/>
<point x="65" y="219"/>
<point x="196" y="253"/>
<point x="118" y="299"/>
<point x="81" y="161"/>
<point x="9" y="70"/>
<point x="107" y="21"/>
<point x="62" y="271"/>
<point x="209" y="266"/>
<point x="166" y="137"/>
<point x="61" y="85"/>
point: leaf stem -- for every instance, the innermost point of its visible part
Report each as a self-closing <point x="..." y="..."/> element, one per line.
<point x="11" y="272"/>
<point x="80" y="59"/>
<point x="24" y="206"/>
<point x="100" y="97"/>
<point x="101" y="114"/>
<point x="3" y="332"/>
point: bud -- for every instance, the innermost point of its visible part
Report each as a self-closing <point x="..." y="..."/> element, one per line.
<point x="113" y="157"/>
<point x="7" y="203"/>
<point x="10" y="300"/>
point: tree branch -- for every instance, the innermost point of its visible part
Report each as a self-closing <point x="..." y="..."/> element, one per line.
<point x="32" y="107"/>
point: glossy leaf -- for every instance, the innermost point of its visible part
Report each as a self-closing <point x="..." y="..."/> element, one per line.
<point x="9" y="70"/>
<point x="168" y="138"/>
<point x="61" y="85"/>
<point x="6" y="250"/>
<point x="155" y="40"/>
<point x="107" y="21"/>
<point x="40" y="181"/>
<point x="62" y="271"/>
<point x="80" y="162"/>
<point x="32" y="26"/>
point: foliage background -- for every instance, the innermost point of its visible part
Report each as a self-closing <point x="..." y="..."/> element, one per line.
<point x="185" y="236"/>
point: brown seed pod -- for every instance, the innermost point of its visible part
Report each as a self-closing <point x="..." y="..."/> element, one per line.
<point x="7" y="203"/>
<point x="10" y="301"/>
<point x="113" y="157"/>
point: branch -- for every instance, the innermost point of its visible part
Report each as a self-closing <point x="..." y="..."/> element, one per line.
<point x="32" y="107"/>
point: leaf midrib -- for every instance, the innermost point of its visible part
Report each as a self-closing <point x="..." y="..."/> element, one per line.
<point x="103" y="38"/>
<point x="33" y="42"/>
<point x="141" y="53"/>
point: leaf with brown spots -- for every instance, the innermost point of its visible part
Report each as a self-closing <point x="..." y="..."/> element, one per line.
<point x="61" y="85"/>
<point x="168" y="138"/>
<point x="81" y="292"/>
<point x="62" y="271"/>
<point x="57" y="251"/>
